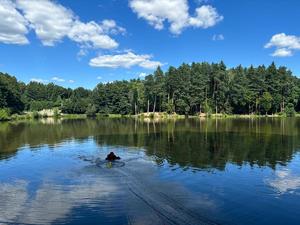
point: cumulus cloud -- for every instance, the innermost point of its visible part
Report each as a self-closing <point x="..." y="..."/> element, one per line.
<point x="99" y="78"/>
<point x="285" y="45"/>
<point x="49" y="20"/>
<point x="176" y="12"/>
<point x="91" y="35"/>
<point x="125" y="60"/>
<point x="52" y="23"/>
<point x="206" y="16"/>
<point x="110" y="26"/>
<point x="55" y="79"/>
<point x="58" y="79"/>
<point x="218" y="37"/>
<point x="13" y="26"/>
<point x="39" y="80"/>
<point x="142" y="75"/>
<point x="282" y="52"/>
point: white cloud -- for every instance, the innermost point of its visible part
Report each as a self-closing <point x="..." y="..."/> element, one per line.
<point x="218" y="37"/>
<point x="285" y="45"/>
<point x="39" y="80"/>
<point x="52" y="23"/>
<point x="58" y="79"/>
<point x="142" y="75"/>
<point x="110" y="26"/>
<point x="206" y="16"/>
<point x="125" y="60"/>
<point x="99" y="78"/>
<point x="91" y="35"/>
<point x="176" y="12"/>
<point x="107" y="82"/>
<point x="13" y="26"/>
<point x="282" y="52"/>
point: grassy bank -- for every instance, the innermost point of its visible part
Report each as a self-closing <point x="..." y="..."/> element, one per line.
<point x="165" y="115"/>
<point x="39" y="115"/>
<point x="156" y="116"/>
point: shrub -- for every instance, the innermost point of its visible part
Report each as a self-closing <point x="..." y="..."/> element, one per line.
<point x="35" y="115"/>
<point x="56" y="113"/>
<point x="4" y="114"/>
<point x="290" y="110"/>
<point x="91" y="110"/>
<point x="151" y="116"/>
<point x="207" y="109"/>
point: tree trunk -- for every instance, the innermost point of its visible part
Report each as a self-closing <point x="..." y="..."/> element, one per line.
<point x="148" y="107"/>
<point x="255" y="106"/>
<point x="216" y="107"/>
<point x="135" y="108"/>
<point x="154" y="105"/>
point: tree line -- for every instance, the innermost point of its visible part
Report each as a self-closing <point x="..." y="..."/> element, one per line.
<point x="190" y="89"/>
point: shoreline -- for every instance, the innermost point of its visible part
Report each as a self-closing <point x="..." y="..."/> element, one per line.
<point x="148" y="116"/>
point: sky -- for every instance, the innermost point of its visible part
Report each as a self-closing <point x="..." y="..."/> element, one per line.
<point x="82" y="43"/>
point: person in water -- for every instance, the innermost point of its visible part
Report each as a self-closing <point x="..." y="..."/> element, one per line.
<point x="112" y="157"/>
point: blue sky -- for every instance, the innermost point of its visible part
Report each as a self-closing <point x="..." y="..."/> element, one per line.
<point x="82" y="43"/>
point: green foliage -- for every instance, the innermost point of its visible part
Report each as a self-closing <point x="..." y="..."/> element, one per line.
<point x="56" y="113"/>
<point x="10" y="93"/>
<point x="266" y="101"/>
<point x="207" y="109"/>
<point x="4" y="114"/>
<point x="290" y="110"/>
<point x="40" y="105"/>
<point x="186" y="90"/>
<point x="74" y="106"/>
<point x="35" y="115"/>
<point x="91" y="111"/>
<point x="170" y="107"/>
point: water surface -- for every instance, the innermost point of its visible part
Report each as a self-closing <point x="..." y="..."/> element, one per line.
<point x="232" y="171"/>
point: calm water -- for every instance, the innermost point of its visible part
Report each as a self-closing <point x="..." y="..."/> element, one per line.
<point x="235" y="171"/>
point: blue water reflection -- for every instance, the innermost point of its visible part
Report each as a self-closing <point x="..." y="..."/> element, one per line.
<point x="60" y="183"/>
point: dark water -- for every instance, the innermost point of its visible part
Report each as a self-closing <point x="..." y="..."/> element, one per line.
<point x="233" y="171"/>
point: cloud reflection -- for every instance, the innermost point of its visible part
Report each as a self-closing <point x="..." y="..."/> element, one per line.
<point x="50" y="202"/>
<point x="138" y="196"/>
<point x="285" y="181"/>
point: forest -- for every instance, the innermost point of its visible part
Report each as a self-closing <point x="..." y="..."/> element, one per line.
<point x="190" y="89"/>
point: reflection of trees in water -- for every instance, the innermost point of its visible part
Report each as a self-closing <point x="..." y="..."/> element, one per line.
<point x="197" y="143"/>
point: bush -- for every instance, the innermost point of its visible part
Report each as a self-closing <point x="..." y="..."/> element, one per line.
<point x="4" y="114"/>
<point x="74" y="106"/>
<point x="290" y="110"/>
<point x="40" y="105"/>
<point x="56" y="113"/>
<point x="170" y="107"/>
<point x="35" y="115"/>
<point x="91" y="111"/>
<point x="207" y="109"/>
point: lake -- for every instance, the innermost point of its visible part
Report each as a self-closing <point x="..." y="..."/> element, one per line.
<point x="193" y="171"/>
